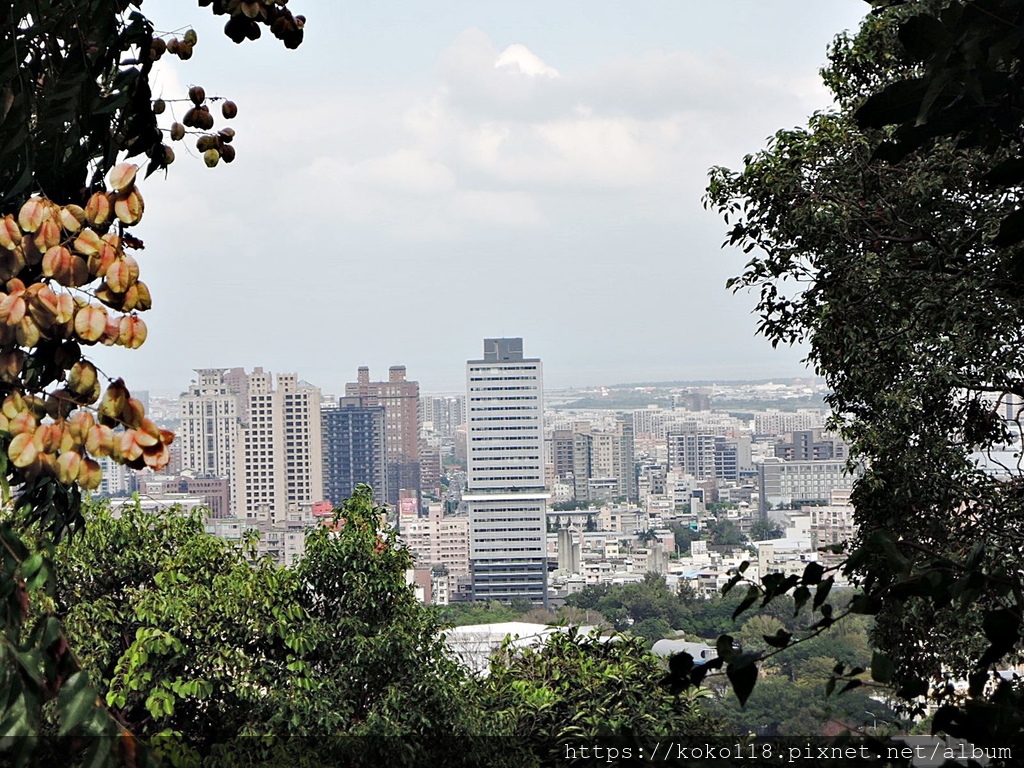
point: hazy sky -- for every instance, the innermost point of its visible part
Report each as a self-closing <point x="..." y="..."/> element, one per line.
<point x="420" y="175"/>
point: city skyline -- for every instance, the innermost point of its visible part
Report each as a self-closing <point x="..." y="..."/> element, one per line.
<point x="402" y="166"/>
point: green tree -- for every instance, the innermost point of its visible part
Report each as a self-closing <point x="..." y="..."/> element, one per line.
<point x="683" y="535"/>
<point x="725" y="533"/>
<point x="764" y="529"/>
<point x="209" y="654"/>
<point x="584" y="691"/>
<point x="886" y="236"/>
<point x="627" y="605"/>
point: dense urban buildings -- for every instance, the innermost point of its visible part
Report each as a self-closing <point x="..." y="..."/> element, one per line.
<point x="279" y="465"/>
<point x="400" y="399"/>
<point x="208" y="431"/>
<point x="353" y="448"/>
<point x="497" y="496"/>
<point x="506" y="491"/>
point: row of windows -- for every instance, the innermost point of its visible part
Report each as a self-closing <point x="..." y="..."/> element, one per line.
<point x="486" y="368"/>
<point x="502" y="478"/>
<point x="501" y="466"/>
<point x="482" y="448"/>
<point x="504" y="418"/>
<point x="499" y="408"/>
<point x="484" y="398"/>
<point x="520" y="511"/>
<point x="534" y="438"/>
<point x="501" y="389"/>
<point x="533" y="428"/>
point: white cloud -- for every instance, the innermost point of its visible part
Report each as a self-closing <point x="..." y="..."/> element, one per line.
<point x="501" y="138"/>
<point x="518" y="56"/>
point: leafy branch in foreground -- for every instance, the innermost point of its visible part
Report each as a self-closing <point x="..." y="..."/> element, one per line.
<point x="75" y="104"/>
<point x="886" y="236"/>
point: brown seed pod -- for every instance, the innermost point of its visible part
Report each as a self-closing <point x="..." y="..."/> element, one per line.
<point x="206" y="142"/>
<point x="227" y="153"/>
<point x="229" y="109"/>
<point x="204" y="120"/>
<point x="159" y="106"/>
<point x="177" y="131"/>
<point x="197" y="94"/>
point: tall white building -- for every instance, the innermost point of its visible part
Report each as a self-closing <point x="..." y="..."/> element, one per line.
<point x="505" y="474"/>
<point x="209" y="425"/>
<point x="279" y="465"/>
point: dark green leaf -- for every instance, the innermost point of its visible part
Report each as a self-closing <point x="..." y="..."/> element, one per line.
<point x="882" y="668"/>
<point x="743" y="678"/>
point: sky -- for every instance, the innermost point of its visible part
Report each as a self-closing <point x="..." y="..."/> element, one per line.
<point x="418" y="176"/>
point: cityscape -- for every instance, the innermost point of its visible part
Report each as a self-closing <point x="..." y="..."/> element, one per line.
<point x="544" y="385"/>
<point x="505" y="491"/>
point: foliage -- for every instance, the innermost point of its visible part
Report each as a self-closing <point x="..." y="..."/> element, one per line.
<point x="584" y="691"/>
<point x="791" y="700"/>
<point x="765" y="529"/>
<point x="725" y="533"/>
<point x="683" y="535"/>
<point x="632" y="604"/>
<point x="885" y="236"/>
<point x="207" y="653"/>
<point x="464" y="614"/>
<point x="573" y="505"/>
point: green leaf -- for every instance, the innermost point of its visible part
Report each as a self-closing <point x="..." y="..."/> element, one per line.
<point x="812" y="573"/>
<point x="1002" y="628"/>
<point x="743" y="676"/>
<point x="913" y="689"/>
<point x="76" y="702"/>
<point x="800" y="597"/>
<point x="923" y="35"/>
<point x="1011" y="229"/>
<point x="748" y="600"/>
<point x="725" y="647"/>
<point x="1008" y="172"/>
<point x="850" y="685"/>
<point x="882" y="668"/>
<point x="780" y="639"/>
<point x="896" y="103"/>
<point x="821" y="593"/>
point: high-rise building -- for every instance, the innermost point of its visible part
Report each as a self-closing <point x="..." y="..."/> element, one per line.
<point x="732" y="457"/>
<point x="505" y="474"/>
<point x="810" y="445"/>
<point x="353" y="448"/>
<point x="562" y="454"/>
<point x="279" y="465"/>
<point x="209" y="426"/>
<point x="691" y="452"/>
<point x="401" y="400"/>
<point x="599" y="463"/>
<point x="792" y="483"/>
<point x="438" y="539"/>
<point x="445" y="412"/>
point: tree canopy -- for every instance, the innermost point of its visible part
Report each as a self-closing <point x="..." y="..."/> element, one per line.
<point x="885" y="237"/>
<point x="207" y="653"/>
